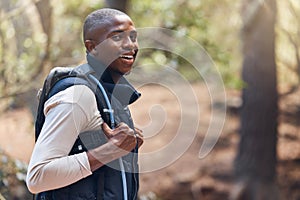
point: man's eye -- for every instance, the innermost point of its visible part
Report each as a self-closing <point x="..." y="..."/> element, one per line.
<point x="117" y="37"/>
<point x="133" y="37"/>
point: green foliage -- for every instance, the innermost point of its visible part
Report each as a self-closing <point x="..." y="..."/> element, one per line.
<point x="195" y="19"/>
<point x="200" y="21"/>
<point x="213" y="24"/>
<point x="67" y="47"/>
<point x="25" y="48"/>
<point x="22" y="45"/>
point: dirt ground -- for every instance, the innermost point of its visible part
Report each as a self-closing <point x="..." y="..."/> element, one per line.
<point x="159" y="113"/>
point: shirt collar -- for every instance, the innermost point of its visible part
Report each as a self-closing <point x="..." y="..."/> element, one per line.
<point x="123" y="90"/>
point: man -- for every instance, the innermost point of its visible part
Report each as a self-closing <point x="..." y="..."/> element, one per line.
<point x="55" y="171"/>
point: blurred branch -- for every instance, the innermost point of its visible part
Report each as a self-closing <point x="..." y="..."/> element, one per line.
<point x="15" y="12"/>
<point x="296" y="69"/>
<point x="288" y="65"/>
<point x="18" y="92"/>
<point x="293" y="11"/>
<point x="293" y="89"/>
<point x="295" y="45"/>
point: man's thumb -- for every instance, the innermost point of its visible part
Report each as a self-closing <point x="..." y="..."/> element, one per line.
<point x="107" y="130"/>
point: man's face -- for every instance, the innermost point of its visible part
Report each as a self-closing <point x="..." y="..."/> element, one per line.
<point x="115" y="44"/>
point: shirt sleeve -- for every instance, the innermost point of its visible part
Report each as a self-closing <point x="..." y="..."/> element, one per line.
<point x="67" y="113"/>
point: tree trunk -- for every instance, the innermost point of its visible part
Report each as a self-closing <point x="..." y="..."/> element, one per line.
<point x="45" y="12"/>
<point x="255" y="164"/>
<point x="118" y="4"/>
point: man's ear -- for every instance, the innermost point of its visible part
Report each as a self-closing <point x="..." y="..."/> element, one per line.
<point x="89" y="45"/>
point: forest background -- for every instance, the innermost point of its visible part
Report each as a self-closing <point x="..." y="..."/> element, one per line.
<point x="37" y="35"/>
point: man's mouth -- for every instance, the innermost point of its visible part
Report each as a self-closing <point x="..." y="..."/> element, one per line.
<point x="127" y="57"/>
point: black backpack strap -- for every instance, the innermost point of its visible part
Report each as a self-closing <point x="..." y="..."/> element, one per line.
<point x="77" y="76"/>
<point x="60" y="85"/>
<point x="66" y="83"/>
<point x="40" y="118"/>
<point x="84" y="69"/>
<point x="79" y="145"/>
<point x="52" y="79"/>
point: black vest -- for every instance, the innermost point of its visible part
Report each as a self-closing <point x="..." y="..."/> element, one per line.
<point x="106" y="182"/>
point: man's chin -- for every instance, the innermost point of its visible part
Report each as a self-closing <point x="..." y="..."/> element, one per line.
<point x="125" y="70"/>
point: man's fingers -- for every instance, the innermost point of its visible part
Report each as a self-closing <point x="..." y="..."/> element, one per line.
<point x="139" y="132"/>
<point x="122" y="127"/>
<point x="140" y="141"/>
<point x="124" y="141"/>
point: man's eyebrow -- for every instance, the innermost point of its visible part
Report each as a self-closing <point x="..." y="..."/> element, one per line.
<point x="117" y="31"/>
<point x="121" y="31"/>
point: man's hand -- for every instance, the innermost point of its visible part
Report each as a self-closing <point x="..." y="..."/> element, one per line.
<point x="122" y="136"/>
<point x="121" y="141"/>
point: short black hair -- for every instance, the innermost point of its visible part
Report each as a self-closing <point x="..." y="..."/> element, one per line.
<point x="98" y="17"/>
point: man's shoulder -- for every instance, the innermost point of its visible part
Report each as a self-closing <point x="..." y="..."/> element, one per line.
<point x="80" y="94"/>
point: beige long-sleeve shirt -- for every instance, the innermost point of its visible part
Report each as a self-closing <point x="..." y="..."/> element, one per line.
<point x="68" y="113"/>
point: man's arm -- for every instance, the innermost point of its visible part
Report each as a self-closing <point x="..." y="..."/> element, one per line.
<point x="67" y="114"/>
<point x="50" y="165"/>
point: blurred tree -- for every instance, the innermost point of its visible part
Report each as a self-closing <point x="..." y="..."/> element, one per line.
<point x="43" y="40"/>
<point x="255" y="164"/>
<point x="56" y="41"/>
<point x="44" y="9"/>
<point x="118" y="4"/>
<point x="25" y="30"/>
<point x="31" y="44"/>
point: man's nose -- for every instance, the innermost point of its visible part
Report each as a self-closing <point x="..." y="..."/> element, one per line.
<point x="129" y="44"/>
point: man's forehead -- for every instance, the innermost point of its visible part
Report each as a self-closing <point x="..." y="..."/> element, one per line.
<point x="120" y="22"/>
<point x="117" y="24"/>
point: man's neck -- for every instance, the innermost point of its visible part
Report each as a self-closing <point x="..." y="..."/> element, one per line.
<point x="115" y="76"/>
<point x="103" y="71"/>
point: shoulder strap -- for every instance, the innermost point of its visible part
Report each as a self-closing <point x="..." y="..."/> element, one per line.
<point x="60" y="85"/>
<point x="76" y="76"/>
<point x="81" y="75"/>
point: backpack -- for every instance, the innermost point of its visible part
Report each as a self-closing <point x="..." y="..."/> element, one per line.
<point x="59" y="79"/>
